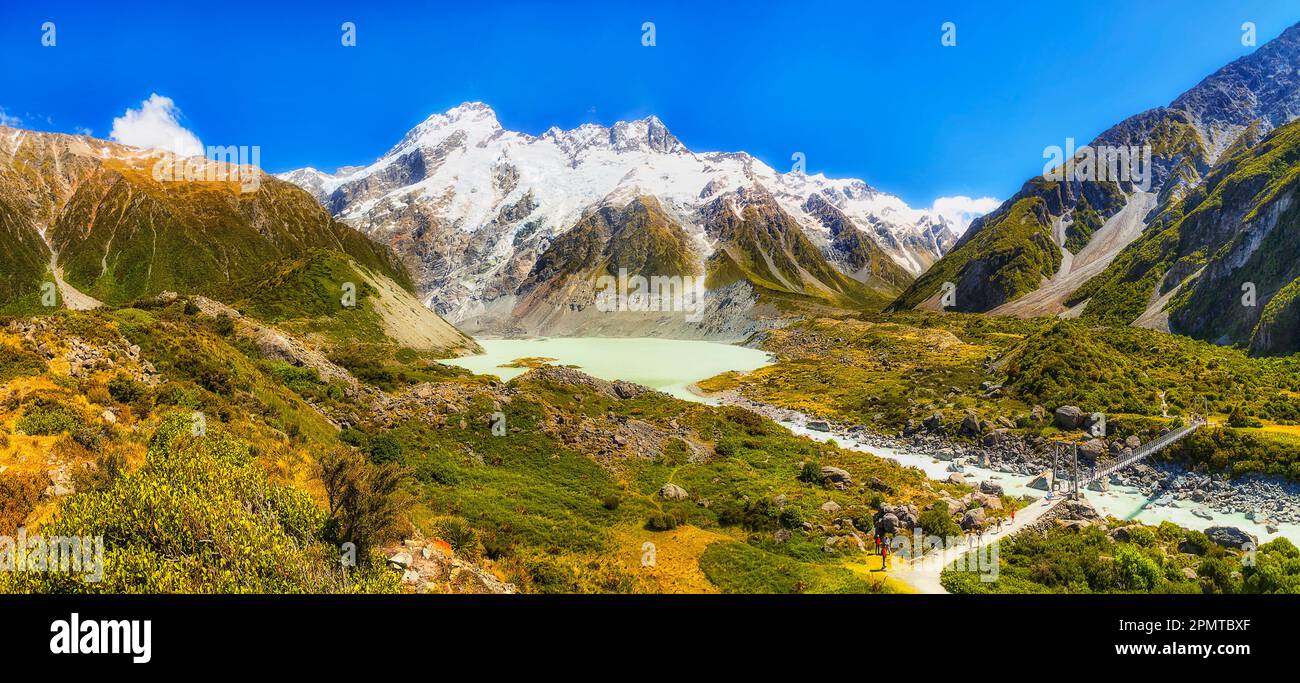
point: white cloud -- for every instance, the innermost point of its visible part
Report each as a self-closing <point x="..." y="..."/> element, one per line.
<point x="959" y="211"/>
<point x="156" y="124"/>
<point x="7" y="120"/>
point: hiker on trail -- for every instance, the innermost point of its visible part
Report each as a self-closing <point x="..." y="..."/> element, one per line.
<point x="1013" y="515"/>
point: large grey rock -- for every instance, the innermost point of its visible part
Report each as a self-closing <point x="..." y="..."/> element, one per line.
<point x="836" y="477"/>
<point x="1069" y="417"/>
<point x="673" y="492"/>
<point x="973" y="519"/>
<point x="997" y="437"/>
<point x="1230" y="537"/>
<point x="1092" y="449"/>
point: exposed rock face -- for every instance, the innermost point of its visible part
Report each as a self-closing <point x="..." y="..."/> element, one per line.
<point x="431" y="566"/>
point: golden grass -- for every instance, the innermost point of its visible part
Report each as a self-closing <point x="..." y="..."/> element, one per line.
<point x="677" y="553"/>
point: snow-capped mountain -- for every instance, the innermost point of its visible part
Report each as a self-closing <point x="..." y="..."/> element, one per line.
<point x="471" y="206"/>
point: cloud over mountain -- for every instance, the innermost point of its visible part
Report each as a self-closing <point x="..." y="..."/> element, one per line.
<point x="156" y="124"/>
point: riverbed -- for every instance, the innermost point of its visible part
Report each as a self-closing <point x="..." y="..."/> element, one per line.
<point x="1122" y="502"/>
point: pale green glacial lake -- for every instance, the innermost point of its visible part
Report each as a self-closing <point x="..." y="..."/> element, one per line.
<point x="669" y="365"/>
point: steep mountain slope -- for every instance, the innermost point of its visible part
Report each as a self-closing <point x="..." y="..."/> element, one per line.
<point x="472" y="207"/>
<point x="1220" y="265"/>
<point x="120" y="234"/>
<point x="98" y="219"/>
<point x="1031" y="242"/>
<point x="303" y="296"/>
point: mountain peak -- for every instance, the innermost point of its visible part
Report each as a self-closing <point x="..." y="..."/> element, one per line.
<point x="648" y="133"/>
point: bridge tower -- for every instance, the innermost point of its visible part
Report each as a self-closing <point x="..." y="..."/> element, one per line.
<point x="1074" y="483"/>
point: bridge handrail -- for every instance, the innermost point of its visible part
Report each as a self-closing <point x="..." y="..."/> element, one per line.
<point x="1143" y="451"/>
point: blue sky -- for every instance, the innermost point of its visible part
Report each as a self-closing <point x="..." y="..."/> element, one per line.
<point x="863" y="89"/>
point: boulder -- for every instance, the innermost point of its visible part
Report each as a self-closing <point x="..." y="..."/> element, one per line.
<point x="954" y="505"/>
<point x="1069" y="417"/>
<point x="819" y="426"/>
<point x="1230" y="537"/>
<point x="831" y="507"/>
<point x="1043" y="482"/>
<point x="673" y="492"/>
<point x="957" y="478"/>
<point x="991" y="488"/>
<point x="970" y="424"/>
<point x="997" y="437"/>
<point x="1092" y="449"/>
<point x="401" y="560"/>
<point x="973" y="519"/>
<point x="887" y="524"/>
<point x="1079" y="510"/>
<point x="1133" y="441"/>
<point x="836" y="477"/>
<point x="1038" y="414"/>
<point x="934" y="423"/>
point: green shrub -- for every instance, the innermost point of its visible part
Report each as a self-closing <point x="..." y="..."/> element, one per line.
<point x="47" y="417"/>
<point x="662" y="521"/>
<point x="123" y="389"/>
<point x="935" y="521"/>
<point x="384" y="448"/>
<point x="812" y="474"/>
